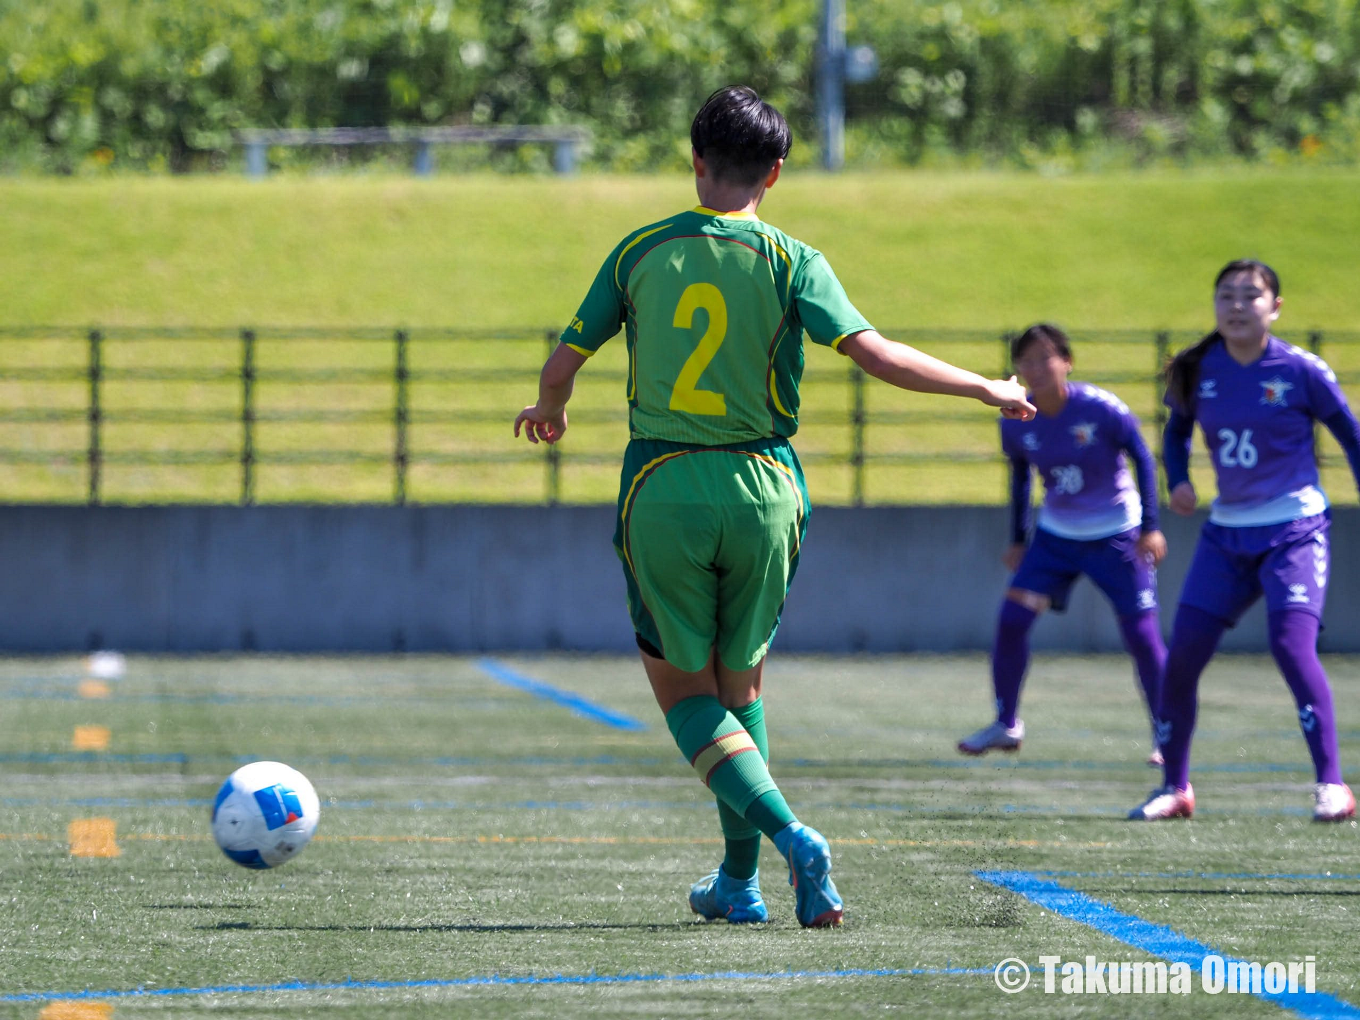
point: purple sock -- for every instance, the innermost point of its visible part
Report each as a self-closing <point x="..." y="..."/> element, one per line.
<point x="1010" y="658"/>
<point x="1143" y="638"/>
<point x="1293" y="642"/>
<point x="1193" y="641"/>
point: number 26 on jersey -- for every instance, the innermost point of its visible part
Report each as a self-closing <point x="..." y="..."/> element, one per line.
<point x="1237" y="450"/>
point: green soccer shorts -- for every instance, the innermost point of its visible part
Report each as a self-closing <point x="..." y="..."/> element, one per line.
<point x="709" y="538"/>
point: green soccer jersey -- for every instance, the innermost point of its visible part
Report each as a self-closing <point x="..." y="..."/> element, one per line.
<point x="714" y="307"/>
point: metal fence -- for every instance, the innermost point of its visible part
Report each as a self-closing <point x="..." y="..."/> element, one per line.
<point x="422" y="415"/>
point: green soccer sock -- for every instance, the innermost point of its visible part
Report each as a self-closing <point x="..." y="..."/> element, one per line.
<point x="742" y="857"/>
<point x="728" y="762"/>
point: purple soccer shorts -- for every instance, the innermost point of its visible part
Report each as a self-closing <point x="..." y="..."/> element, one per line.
<point x="1052" y="565"/>
<point x="1233" y="567"/>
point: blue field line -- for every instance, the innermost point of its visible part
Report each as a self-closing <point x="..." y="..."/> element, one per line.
<point x="493" y="979"/>
<point x="369" y="805"/>
<point x="443" y="761"/>
<point x="581" y="706"/>
<point x="329" y="700"/>
<point x="1043" y="765"/>
<point x="645" y="761"/>
<point x="1154" y="939"/>
<point x="94" y="757"/>
<point x="1088" y="811"/>
<point x="1255" y="875"/>
<point x="34" y="690"/>
<point x="979" y="810"/>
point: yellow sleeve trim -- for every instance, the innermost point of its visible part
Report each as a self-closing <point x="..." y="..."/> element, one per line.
<point x="619" y="261"/>
<point x="836" y="344"/>
<point x="788" y="263"/>
<point x="580" y="350"/>
<point x="705" y="211"/>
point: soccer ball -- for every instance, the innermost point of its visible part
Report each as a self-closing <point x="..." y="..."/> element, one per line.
<point x="264" y="814"/>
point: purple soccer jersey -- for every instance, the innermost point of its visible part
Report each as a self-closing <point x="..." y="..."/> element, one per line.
<point x="1088" y="487"/>
<point x="1089" y="524"/>
<point x="1258" y="425"/>
<point x="1266" y="534"/>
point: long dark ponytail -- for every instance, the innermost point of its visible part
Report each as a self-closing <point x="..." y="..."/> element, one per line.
<point x="1182" y="371"/>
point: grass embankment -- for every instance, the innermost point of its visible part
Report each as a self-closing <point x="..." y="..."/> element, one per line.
<point x="984" y="252"/>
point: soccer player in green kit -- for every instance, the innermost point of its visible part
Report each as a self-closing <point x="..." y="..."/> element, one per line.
<point x="712" y="503"/>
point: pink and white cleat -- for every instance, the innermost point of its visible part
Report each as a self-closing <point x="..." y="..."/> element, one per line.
<point x="1166" y="802"/>
<point x="1333" y="802"/>
<point x="995" y="737"/>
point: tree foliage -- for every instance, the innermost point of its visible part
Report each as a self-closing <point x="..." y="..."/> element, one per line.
<point x="165" y="83"/>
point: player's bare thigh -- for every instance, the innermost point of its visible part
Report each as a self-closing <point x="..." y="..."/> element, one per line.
<point x="732" y="688"/>
<point x="1034" y="601"/>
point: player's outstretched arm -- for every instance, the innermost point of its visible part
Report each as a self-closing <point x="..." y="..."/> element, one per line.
<point x="910" y="369"/>
<point x="547" y="420"/>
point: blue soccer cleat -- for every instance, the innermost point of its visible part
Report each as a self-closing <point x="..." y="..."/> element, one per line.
<point x="732" y="899"/>
<point x="817" y="903"/>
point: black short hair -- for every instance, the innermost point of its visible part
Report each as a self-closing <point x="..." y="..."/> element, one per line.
<point x="1042" y="331"/>
<point x="739" y="135"/>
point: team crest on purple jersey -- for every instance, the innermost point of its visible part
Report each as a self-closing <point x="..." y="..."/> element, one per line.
<point x="1083" y="433"/>
<point x="1208" y="389"/>
<point x="1273" y="392"/>
<point x="1080" y="455"/>
<point x="1267" y="472"/>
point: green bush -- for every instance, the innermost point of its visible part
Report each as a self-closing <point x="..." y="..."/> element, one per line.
<point x="86" y="84"/>
<point x="1030" y="81"/>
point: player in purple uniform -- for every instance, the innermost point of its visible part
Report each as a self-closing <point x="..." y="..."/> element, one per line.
<point x="1256" y="399"/>
<point x="1093" y="522"/>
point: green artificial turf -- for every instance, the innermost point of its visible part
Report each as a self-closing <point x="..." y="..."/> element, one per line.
<point x="470" y="830"/>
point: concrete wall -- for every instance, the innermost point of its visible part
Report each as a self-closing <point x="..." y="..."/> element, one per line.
<point x="468" y="578"/>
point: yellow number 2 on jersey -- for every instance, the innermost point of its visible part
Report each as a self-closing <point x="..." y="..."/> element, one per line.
<point x="685" y="396"/>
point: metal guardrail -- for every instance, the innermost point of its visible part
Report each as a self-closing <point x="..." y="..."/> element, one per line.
<point x="566" y="140"/>
<point x="218" y="377"/>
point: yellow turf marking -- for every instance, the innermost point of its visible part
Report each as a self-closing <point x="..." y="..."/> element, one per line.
<point x="93" y="837"/>
<point x="76" y="1011"/>
<point x="90" y="738"/>
<point x="93" y="689"/>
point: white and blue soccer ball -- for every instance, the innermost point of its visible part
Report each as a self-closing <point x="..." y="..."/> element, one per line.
<point x="265" y="813"/>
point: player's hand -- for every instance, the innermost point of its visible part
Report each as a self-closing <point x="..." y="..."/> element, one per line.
<point x="1152" y="546"/>
<point x="539" y="424"/>
<point x="1013" y="555"/>
<point x="1008" y="395"/>
<point x="1183" y="499"/>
